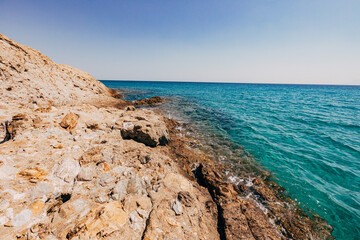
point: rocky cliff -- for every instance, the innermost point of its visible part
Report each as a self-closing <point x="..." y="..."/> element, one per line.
<point x="73" y="169"/>
<point x="31" y="79"/>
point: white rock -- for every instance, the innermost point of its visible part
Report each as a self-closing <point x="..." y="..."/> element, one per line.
<point x="128" y="125"/>
<point x="4" y="204"/>
<point x="136" y="185"/>
<point x="86" y="174"/>
<point x="15" y="194"/>
<point x="3" y="220"/>
<point x="106" y="179"/>
<point x="41" y="189"/>
<point x="136" y="223"/>
<point x="177" y="207"/>
<point x="9" y="213"/>
<point x="23" y="217"/>
<point x="7" y="172"/>
<point x="67" y="170"/>
<point x="119" y="192"/>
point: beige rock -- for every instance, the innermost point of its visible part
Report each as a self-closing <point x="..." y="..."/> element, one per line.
<point x="69" y="122"/>
<point x="67" y="170"/>
<point x="37" y="208"/>
<point x="30" y="78"/>
<point x="65" y="218"/>
<point x="86" y="173"/>
<point x="130" y="108"/>
<point x="170" y="219"/>
<point x="33" y="174"/>
<point x="93" y="155"/>
<point x="145" y="127"/>
<point x="119" y="192"/>
<point x="100" y="222"/>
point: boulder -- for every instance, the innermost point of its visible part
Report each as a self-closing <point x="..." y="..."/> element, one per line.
<point x="145" y="127"/>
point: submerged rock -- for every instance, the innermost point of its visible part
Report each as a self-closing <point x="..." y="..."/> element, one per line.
<point x="149" y="101"/>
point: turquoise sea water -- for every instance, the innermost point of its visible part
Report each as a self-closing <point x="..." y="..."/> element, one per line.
<point x="307" y="136"/>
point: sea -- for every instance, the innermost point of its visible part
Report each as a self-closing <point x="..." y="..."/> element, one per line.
<point x="306" y="136"/>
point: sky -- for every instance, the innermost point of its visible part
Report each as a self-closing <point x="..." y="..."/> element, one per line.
<point x="251" y="41"/>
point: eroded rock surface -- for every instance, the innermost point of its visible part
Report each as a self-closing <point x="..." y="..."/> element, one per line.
<point x="30" y="79"/>
<point x="145" y="127"/>
<point x="75" y="170"/>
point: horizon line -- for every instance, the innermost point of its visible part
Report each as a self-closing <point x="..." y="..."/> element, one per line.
<point x="184" y="81"/>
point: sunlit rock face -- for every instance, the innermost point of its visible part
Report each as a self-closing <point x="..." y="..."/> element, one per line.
<point x="74" y="166"/>
<point x="31" y="79"/>
<point x="70" y="170"/>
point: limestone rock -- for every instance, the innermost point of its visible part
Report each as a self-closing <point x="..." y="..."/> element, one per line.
<point x="69" y="121"/>
<point x="130" y="108"/>
<point x="65" y="213"/>
<point x="33" y="174"/>
<point x="145" y="127"/>
<point x="177" y="207"/>
<point x="86" y="173"/>
<point x="136" y="185"/>
<point x="123" y="188"/>
<point x="22" y="218"/>
<point x="67" y="170"/>
<point x="40" y="190"/>
<point x="119" y="192"/>
<point x="92" y="155"/>
<point x="100" y="222"/>
<point x="32" y="79"/>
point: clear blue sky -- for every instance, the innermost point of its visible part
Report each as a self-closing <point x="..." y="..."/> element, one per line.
<point x="288" y="41"/>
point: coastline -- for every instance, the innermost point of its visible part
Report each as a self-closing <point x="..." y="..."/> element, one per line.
<point x="92" y="165"/>
<point x="251" y="188"/>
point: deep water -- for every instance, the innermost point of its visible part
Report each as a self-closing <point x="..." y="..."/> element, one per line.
<point x="307" y="136"/>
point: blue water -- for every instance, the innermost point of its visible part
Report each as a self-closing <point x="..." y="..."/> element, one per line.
<point x="308" y="136"/>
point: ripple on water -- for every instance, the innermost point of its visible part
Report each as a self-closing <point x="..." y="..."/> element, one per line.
<point x="307" y="136"/>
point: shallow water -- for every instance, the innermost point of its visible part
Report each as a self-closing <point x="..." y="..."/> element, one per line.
<point x="308" y="137"/>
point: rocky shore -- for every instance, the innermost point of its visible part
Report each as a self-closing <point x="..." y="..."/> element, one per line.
<point x="77" y="162"/>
